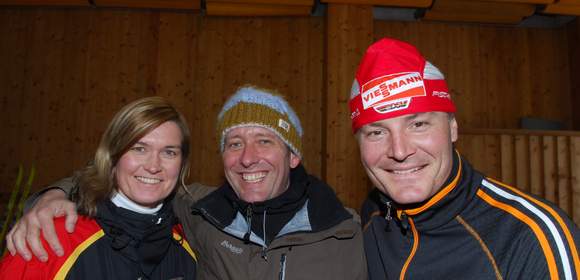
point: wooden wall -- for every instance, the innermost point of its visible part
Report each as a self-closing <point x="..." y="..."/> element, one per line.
<point x="496" y="74"/>
<point x="64" y="72"/>
<point x="544" y="163"/>
<point x="573" y="43"/>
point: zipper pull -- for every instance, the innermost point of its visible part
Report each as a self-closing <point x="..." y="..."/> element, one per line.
<point x="264" y="254"/>
<point x="282" y="274"/>
<point x="249" y="222"/>
<point x="388" y="216"/>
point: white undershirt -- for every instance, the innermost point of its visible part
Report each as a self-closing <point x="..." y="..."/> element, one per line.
<point x="120" y="200"/>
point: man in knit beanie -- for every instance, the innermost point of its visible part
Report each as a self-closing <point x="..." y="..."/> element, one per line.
<point x="432" y="216"/>
<point x="270" y="219"/>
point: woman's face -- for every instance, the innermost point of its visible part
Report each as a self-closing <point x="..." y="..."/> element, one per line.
<point x="148" y="172"/>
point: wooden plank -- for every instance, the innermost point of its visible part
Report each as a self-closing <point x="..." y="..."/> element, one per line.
<point x="519" y="131"/>
<point x="575" y="177"/>
<point x="237" y="9"/>
<point x="573" y="30"/>
<point x="483" y="7"/>
<point x="508" y="161"/>
<point x="349" y="33"/>
<point x="536" y="166"/>
<point x="76" y="43"/>
<point x="563" y="8"/>
<point x="467" y="17"/>
<point x="212" y="56"/>
<point x="524" y="1"/>
<point x="394" y="3"/>
<point x="79" y="3"/>
<point x="564" y="190"/>
<point x="478" y="11"/>
<point x="15" y="26"/>
<point x="269" y="2"/>
<point x="523" y="157"/>
<point x="549" y="169"/>
<point x="492" y="157"/>
<point x="154" y="4"/>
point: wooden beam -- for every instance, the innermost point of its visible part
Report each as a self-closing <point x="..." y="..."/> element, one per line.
<point x="480" y="18"/>
<point x="45" y="2"/>
<point x="479" y="11"/>
<point x="154" y="4"/>
<point x="239" y="9"/>
<point x="563" y="8"/>
<point x="542" y="2"/>
<point x="349" y="32"/>
<point x="268" y="2"/>
<point x="485" y="8"/>
<point x="395" y="3"/>
<point x="573" y="30"/>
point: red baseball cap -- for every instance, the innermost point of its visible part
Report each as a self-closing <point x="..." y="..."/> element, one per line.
<point x="393" y="79"/>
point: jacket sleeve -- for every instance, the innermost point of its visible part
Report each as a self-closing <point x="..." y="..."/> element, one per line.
<point x="552" y="253"/>
<point x="188" y="195"/>
<point x="66" y="185"/>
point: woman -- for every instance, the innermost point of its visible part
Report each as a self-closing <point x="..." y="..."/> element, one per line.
<point x="127" y="229"/>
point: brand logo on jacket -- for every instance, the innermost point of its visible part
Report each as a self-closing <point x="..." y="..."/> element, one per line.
<point x="236" y="250"/>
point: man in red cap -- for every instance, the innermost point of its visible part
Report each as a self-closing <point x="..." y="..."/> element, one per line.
<point x="432" y="216"/>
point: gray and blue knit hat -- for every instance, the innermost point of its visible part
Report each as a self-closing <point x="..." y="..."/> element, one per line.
<point x="251" y="106"/>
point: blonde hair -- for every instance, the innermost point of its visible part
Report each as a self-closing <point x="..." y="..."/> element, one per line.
<point x="96" y="182"/>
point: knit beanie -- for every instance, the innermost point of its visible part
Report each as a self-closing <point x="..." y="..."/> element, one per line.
<point x="251" y="106"/>
<point x="393" y="79"/>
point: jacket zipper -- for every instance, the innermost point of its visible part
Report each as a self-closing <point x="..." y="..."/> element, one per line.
<point x="282" y="274"/>
<point x="388" y="216"/>
<point x="415" y="245"/>
<point x="249" y="222"/>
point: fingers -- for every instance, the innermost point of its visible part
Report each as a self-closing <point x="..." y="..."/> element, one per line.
<point x="71" y="216"/>
<point x="16" y="242"/>
<point x="46" y="223"/>
<point x="32" y="238"/>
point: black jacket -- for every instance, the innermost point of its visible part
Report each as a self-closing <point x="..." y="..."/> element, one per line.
<point x="473" y="228"/>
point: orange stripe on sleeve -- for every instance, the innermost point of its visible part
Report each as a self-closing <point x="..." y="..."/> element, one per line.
<point x="532" y="224"/>
<point x="558" y="218"/>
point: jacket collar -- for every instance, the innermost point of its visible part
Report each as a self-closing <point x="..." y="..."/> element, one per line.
<point x="319" y="211"/>
<point x="448" y="202"/>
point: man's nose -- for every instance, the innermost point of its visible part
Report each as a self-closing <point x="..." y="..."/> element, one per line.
<point x="249" y="156"/>
<point x="400" y="147"/>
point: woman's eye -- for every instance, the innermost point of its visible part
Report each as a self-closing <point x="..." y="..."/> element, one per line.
<point x="139" y="149"/>
<point x="170" y="153"/>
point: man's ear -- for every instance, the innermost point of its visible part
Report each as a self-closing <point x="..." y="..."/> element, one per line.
<point x="294" y="160"/>
<point x="453" y="129"/>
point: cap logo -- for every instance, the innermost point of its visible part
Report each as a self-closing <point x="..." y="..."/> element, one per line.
<point x="284" y="125"/>
<point x="441" y="94"/>
<point x="395" y="87"/>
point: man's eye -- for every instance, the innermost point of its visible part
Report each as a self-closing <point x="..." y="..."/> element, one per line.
<point x="374" y="133"/>
<point x="234" y="145"/>
<point x="419" y="124"/>
<point x="265" y="141"/>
